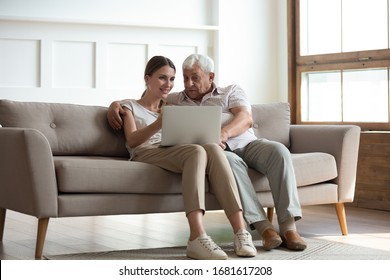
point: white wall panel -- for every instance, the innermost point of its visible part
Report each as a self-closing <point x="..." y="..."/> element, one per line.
<point x="19" y="63"/>
<point x="95" y="51"/>
<point x="124" y="66"/>
<point x="73" y="64"/>
<point x="89" y="63"/>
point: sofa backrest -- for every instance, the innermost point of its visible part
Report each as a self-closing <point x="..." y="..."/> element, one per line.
<point x="272" y="121"/>
<point x="70" y="129"/>
<point x="84" y="130"/>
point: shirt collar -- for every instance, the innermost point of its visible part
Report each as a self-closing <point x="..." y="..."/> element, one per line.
<point x="215" y="89"/>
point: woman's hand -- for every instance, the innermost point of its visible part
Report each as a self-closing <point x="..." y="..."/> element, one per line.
<point x="115" y="114"/>
<point x="159" y="118"/>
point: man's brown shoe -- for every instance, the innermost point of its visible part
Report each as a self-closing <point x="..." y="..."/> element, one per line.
<point x="293" y="241"/>
<point x="271" y="239"/>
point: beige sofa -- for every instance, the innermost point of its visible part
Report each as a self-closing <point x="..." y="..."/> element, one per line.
<point x="63" y="160"/>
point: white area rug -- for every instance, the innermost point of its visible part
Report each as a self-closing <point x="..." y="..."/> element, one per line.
<point x="316" y="250"/>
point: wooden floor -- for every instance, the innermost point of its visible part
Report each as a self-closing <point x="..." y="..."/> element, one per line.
<point x="366" y="227"/>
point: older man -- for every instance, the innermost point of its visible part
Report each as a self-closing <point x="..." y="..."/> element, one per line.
<point x="243" y="150"/>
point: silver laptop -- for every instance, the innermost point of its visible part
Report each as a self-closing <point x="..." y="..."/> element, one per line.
<point x="191" y="125"/>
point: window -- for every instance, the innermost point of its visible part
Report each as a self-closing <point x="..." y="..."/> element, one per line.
<point x="339" y="59"/>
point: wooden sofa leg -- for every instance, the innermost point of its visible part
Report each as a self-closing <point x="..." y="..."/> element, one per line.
<point x="270" y="213"/>
<point x="2" y="222"/>
<point x="340" y="210"/>
<point x="41" y="235"/>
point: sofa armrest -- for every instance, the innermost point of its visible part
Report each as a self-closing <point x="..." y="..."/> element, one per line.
<point x="341" y="141"/>
<point x="27" y="175"/>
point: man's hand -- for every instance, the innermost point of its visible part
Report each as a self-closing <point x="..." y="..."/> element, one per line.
<point x="242" y="120"/>
<point x="114" y="115"/>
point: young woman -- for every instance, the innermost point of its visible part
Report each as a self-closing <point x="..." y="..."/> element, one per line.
<point x="142" y="124"/>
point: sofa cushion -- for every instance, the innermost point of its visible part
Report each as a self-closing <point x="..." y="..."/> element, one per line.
<point x="313" y="168"/>
<point x="310" y="168"/>
<point x="113" y="175"/>
<point x="119" y="175"/>
<point x="272" y="121"/>
<point x="70" y="129"/>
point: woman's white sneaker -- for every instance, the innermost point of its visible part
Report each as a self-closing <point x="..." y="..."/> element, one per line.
<point x="243" y="244"/>
<point x="204" y="248"/>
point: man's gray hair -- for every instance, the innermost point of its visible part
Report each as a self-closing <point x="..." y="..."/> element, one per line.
<point x="203" y="61"/>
